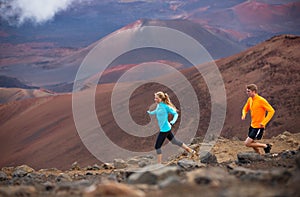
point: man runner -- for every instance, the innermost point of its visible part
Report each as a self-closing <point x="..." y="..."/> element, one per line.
<point x="258" y="107"/>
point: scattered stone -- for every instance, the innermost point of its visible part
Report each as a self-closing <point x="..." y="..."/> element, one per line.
<point x="275" y="175"/>
<point x="248" y="157"/>
<point x="153" y="174"/>
<point x="133" y="161"/>
<point x="94" y="167"/>
<point x="119" y="164"/>
<point x="49" y="186"/>
<point x="172" y="180"/>
<point x="75" y="166"/>
<point x="208" y="158"/>
<point x="22" y="171"/>
<point x="107" y="166"/>
<point x="286" y="133"/>
<point x="8" y="170"/>
<point x="144" y="162"/>
<point x="196" y="140"/>
<point x="74" y="185"/>
<point x="288" y="154"/>
<point x="21" y="190"/>
<point x="19" y="173"/>
<point x="62" y="177"/>
<point x="213" y="176"/>
<point x="3" y="176"/>
<point x="25" y="168"/>
<point x="187" y="164"/>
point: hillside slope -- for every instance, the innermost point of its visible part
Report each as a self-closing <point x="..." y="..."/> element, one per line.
<point x="41" y="131"/>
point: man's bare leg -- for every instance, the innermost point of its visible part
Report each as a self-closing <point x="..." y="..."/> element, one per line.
<point x="256" y="150"/>
<point x="255" y="145"/>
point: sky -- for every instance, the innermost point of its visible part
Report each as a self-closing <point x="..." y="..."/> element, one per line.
<point x="16" y="12"/>
<point x="78" y="23"/>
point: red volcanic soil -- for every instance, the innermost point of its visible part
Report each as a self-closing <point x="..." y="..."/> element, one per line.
<point x="41" y="131"/>
<point x="250" y="19"/>
<point x="255" y="14"/>
<point x="15" y="94"/>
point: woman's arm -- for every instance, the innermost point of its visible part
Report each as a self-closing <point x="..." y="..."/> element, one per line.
<point x="174" y="113"/>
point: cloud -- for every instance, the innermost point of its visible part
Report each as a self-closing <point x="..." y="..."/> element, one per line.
<point x="16" y="12"/>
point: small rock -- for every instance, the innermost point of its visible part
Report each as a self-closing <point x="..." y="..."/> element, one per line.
<point x="75" y="166"/>
<point x="288" y="154"/>
<point x="172" y="180"/>
<point x="286" y="133"/>
<point x="119" y="164"/>
<point x="133" y="161"/>
<point x="274" y="175"/>
<point x="22" y="171"/>
<point x="187" y="164"/>
<point x="249" y="157"/>
<point x="208" y="158"/>
<point x="196" y="140"/>
<point x="96" y="167"/>
<point x="19" y="173"/>
<point x="143" y="163"/>
<point x="107" y="166"/>
<point x="62" y="177"/>
<point x="153" y="174"/>
<point x="3" y="176"/>
<point x="214" y="176"/>
<point x="18" y="191"/>
<point x="25" y="168"/>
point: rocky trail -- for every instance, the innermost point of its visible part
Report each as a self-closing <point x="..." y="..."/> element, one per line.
<point x="229" y="169"/>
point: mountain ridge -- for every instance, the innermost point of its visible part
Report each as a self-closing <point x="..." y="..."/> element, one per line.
<point x="45" y="126"/>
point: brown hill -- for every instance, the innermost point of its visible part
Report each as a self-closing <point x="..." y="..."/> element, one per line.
<point x="50" y="66"/>
<point x="250" y="22"/>
<point x="41" y="132"/>
<point x="15" y="94"/>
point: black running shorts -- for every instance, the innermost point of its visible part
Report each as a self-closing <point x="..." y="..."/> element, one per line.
<point x="255" y="133"/>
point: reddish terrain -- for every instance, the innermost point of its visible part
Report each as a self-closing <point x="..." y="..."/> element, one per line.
<point x="41" y="132"/>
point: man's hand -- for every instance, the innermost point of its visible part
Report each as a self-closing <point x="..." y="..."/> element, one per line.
<point x="243" y="118"/>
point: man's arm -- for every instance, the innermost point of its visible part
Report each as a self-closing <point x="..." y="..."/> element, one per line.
<point x="246" y="108"/>
<point x="270" y="111"/>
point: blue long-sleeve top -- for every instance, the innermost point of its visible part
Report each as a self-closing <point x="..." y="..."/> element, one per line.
<point x="162" y="111"/>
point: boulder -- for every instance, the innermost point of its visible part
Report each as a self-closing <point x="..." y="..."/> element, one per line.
<point x="107" y="166"/>
<point x="153" y="174"/>
<point x="187" y="164"/>
<point x="208" y="158"/>
<point x="212" y="176"/>
<point x="274" y="175"/>
<point x="75" y="166"/>
<point x="3" y="176"/>
<point x="248" y="157"/>
<point x="63" y="177"/>
<point x="22" y="171"/>
<point x="20" y="190"/>
<point x="119" y="164"/>
<point x="94" y="167"/>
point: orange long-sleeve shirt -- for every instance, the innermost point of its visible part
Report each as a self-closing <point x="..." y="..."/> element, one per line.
<point x="258" y="107"/>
